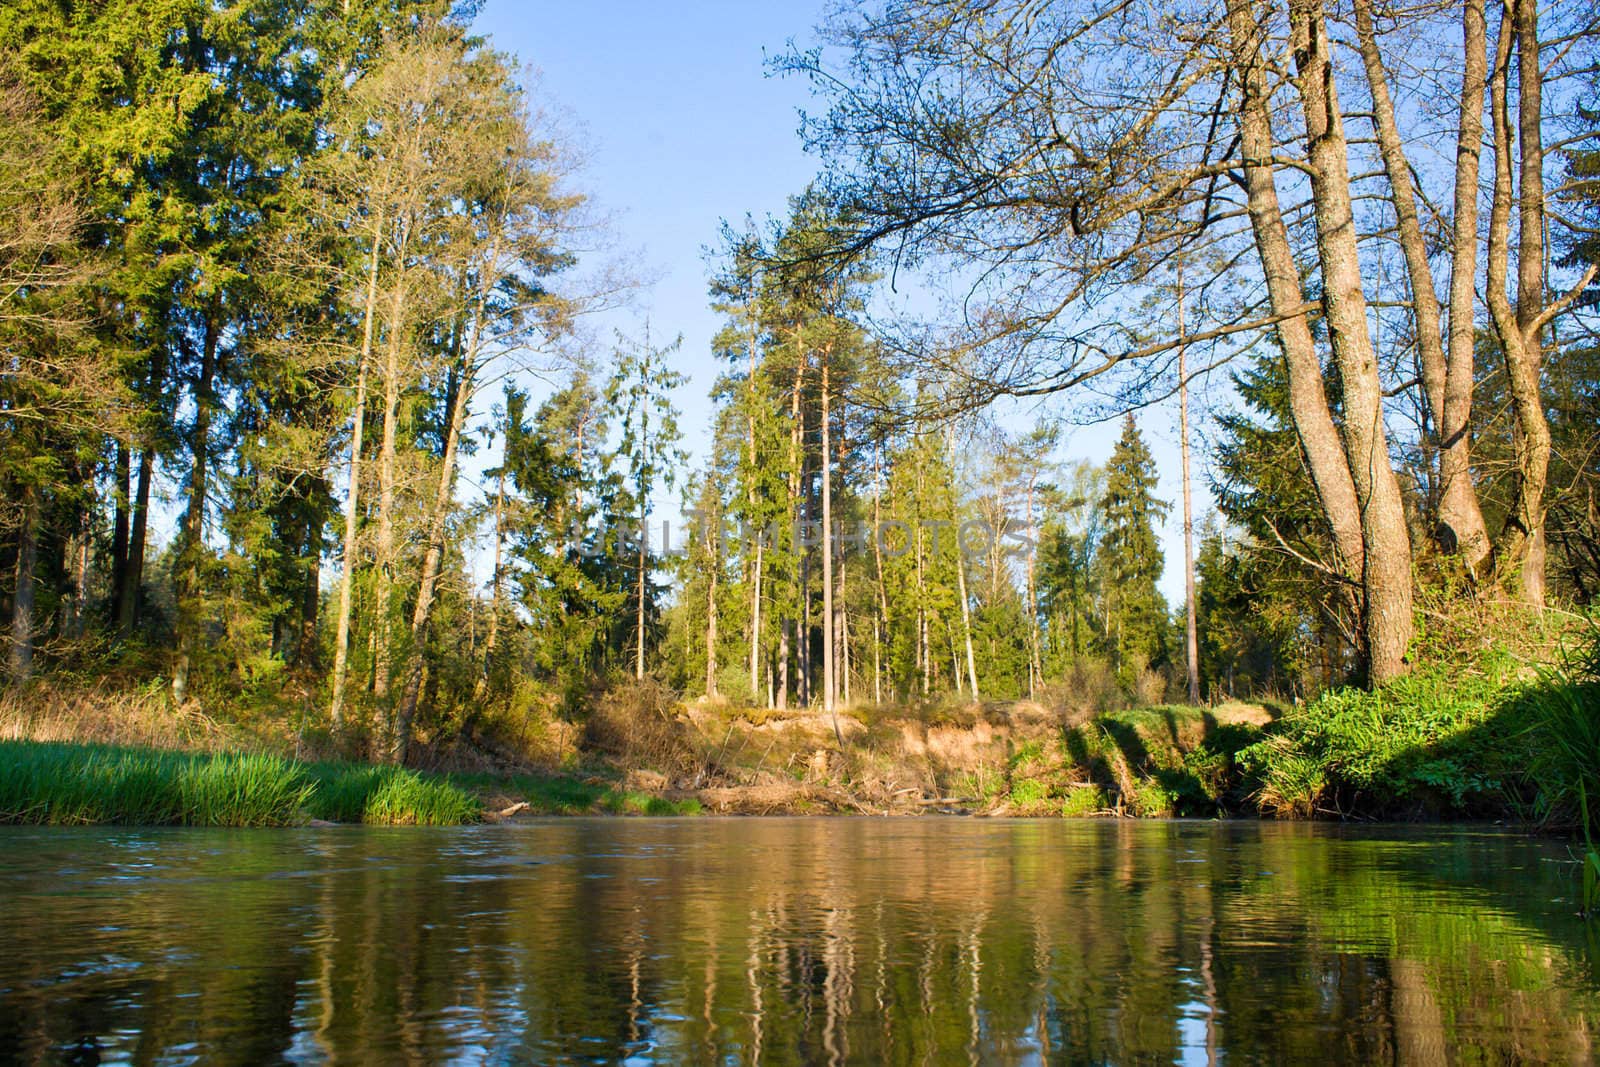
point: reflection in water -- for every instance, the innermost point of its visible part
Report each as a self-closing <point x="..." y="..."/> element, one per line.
<point x="792" y="941"/>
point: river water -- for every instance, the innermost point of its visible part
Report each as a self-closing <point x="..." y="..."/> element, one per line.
<point x="822" y="940"/>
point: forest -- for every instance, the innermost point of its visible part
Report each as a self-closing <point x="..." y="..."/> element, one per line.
<point x="307" y="444"/>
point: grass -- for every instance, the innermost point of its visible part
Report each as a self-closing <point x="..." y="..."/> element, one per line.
<point x="58" y="783"/>
<point x="566" y="795"/>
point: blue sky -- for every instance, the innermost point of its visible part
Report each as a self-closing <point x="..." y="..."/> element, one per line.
<point x="683" y="128"/>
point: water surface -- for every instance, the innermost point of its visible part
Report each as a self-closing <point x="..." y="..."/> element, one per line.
<point x="793" y="941"/>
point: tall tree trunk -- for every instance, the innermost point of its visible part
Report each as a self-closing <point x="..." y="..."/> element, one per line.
<point x="1035" y="663"/>
<point x="644" y="538"/>
<point x="1386" y="574"/>
<point x="22" y="632"/>
<point x="792" y="630"/>
<point x="433" y="556"/>
<point x="1458" y="502"/>
<point x="122" y="475"/>
<point x="877" y="556"/>
<point x="1461" y="526"/>
<point x="1308" y="400"/>
<point x="305" y="656"/>
<point x="1519" y="550"/>
<point x="386" y="456"/>
<point x="191" y="533"/>
<point x="1191" y="630"/>
<point x="781" y="696"/>
<point x="961" y="588"/>
<point x="132" y="593"/>
<point x="755" y="570"/>
<point x="924" y="651"/>
<point x="829" y="681"/>
<point x="80" y="566"/>
<point x="341" y="647"/>
<point x="132" y="589"/>
<point x="713" y="541"/>
<point x="493" y="636"/>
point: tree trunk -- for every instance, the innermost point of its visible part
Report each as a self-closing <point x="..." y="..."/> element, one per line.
<point x="433" y="556"/>
<point x="386" y="455"/>
<point x="829" y="682"/>
<point x="1035" y="663"/>
<point x="492" y="638"/>
<point x="755" y="570"/>
<point x="122" y="475"/>
<point x="644" y="537"/>
<point x="80" y="568"/>
<point x="1519" y="549"/>
<point x="1386" y="574"/>
<point x="341" y="648"/>
<point x="22" y="635"/>
<point x="1308" y="400"/>
<point x="1458" y="500"/>
<point x="1461" y="526"/>
<point x="305" y="655"/>
<point x="191" y="533"/>
<point x="1191" y="631"/>
<point x="713" y="540"/>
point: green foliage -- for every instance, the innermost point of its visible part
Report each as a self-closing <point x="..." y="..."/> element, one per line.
<point x="1484" y="739"/>
<point x="66" y="784"/>
<point x="387" y="796"/>
<point x="1082" y="801"/>
<point x="1432" y="741"/>
<point x="1130" y="560"/>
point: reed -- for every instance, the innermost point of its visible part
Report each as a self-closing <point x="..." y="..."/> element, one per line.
<point x="60" y="783"/>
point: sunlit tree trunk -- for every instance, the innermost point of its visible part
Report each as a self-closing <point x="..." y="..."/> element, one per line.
<point x="1386" y="572"/>
<point x="1191" y="643"/>
<point x="829" y="681"/>
<point x="341" y="647"/>
<point x="1308" y="400"/>
<point x="384" y="608"/>
<point x="1461" y="519"/>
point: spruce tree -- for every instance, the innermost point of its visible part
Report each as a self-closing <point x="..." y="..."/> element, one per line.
<point x="1135" y="614"/>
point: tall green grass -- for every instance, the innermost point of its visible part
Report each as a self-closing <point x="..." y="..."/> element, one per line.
<point x="71" y="784"/>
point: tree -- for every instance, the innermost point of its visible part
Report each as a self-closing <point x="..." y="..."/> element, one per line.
<point x="1004" y="148"/>
<point x="639" y="395"/>
<point x="1130" y="559"/>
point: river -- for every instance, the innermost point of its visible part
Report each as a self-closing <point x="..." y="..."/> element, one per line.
<point x="804" y="940"/>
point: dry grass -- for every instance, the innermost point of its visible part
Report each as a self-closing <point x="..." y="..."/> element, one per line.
<point x="107" y="713"/>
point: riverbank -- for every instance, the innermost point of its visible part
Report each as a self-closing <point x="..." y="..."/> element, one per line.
<point x="1493" y="738"/>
